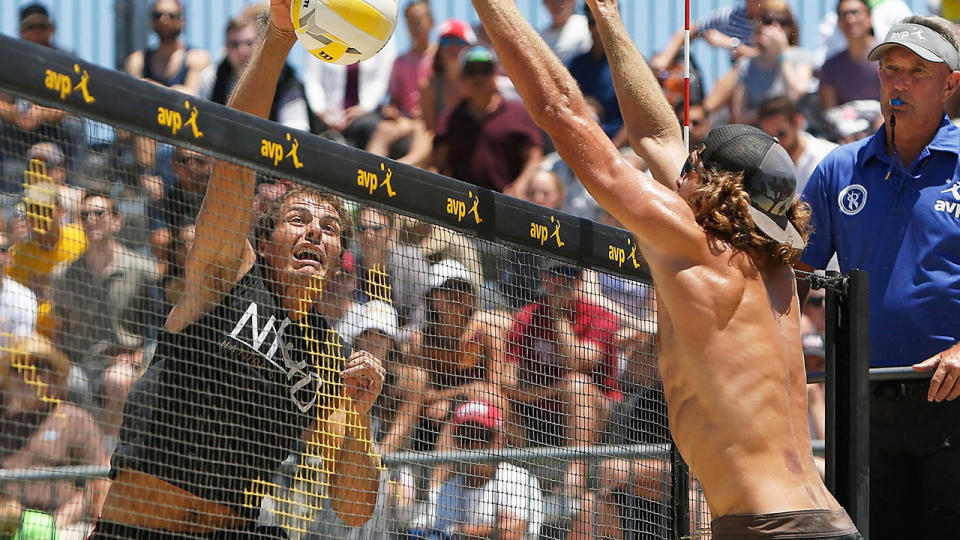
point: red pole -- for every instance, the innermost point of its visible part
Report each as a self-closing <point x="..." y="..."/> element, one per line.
<point x="686" y="75"/>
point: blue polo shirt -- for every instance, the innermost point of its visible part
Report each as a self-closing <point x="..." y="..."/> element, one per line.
<point x="904" y="230"/>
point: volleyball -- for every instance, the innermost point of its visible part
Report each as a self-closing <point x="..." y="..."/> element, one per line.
<point x="344" y="31"/>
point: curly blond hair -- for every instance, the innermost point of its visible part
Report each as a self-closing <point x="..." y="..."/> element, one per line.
<point x="721" y="206"/>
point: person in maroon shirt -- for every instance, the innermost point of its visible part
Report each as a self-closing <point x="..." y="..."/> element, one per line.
<point x="562" y="363"/>
<point x="487" y="139"/>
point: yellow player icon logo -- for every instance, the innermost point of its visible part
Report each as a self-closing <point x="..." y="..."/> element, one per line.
<point x="293" y="151"/>
<point x="556" y="231"/>
<point x="82" y="85"/>
<point x="192" y="121"/>
<point x="474" y="209"/>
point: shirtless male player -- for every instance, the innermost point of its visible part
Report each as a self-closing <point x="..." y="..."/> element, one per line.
<point x="233" y="385"/>
<point x="720" y="235"/>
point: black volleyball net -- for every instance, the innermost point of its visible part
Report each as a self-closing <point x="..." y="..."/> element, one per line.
<point x="177" y="363"/>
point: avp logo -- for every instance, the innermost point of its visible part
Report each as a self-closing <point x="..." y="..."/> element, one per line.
<point x="456" y="207"/>
<point x="371" y="180"/>
<point x="293" y="370"/>
<point x="174" y="120"/>
<point x="63" y="85"/>
<point x="906" y="33"/>
<point x="619" y="255"/>
<point x="950" y="207"/>
<point x="274" y="151"/>
<point x="542" y="232"/>
<point x="852" y="199"/>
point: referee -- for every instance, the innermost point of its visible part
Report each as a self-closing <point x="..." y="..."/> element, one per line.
<point x="888" y="205"/>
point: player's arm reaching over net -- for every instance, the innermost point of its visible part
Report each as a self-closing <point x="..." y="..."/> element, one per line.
<point x="652" y="127"/>
<point x="649" y="209"/>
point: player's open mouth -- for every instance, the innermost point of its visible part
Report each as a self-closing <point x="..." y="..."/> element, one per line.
<point x="308" y="256"/>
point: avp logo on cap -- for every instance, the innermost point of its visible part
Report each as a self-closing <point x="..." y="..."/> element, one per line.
<point x="852" y="199"/>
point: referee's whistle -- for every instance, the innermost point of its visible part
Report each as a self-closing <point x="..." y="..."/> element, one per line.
<point x="896" y="102"/>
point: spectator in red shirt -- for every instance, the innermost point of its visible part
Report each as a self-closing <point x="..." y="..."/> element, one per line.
<point x="487" y="140"/>
<point x="562" y="363"/>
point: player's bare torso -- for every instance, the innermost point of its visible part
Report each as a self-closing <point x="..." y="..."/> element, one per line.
<point x="734" y="378"/>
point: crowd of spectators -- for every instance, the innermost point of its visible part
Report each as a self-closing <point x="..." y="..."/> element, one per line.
<point x="484" y="349"/>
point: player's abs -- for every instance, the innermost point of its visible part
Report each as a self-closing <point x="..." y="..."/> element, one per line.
<point x="752" y="453"/>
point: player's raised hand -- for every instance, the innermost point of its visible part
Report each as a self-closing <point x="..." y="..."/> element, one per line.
<point x="363" y="379"/>
<point x="280" y="15"/>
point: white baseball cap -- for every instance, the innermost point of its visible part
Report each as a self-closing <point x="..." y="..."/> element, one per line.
<point x="373" y="315"/>
<point x="446" y="270"/>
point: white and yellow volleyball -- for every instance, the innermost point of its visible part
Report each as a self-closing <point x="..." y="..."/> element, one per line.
<point x="344" y="31"/>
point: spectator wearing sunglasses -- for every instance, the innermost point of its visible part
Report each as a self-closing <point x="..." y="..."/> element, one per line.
<point x="780" y="118"/>
<point x="242" y="35"/>
<point x="105" y="312"/>
<point x="780" y="69"/>
<point x="388" y="270"/>
<point x="484" y="499"/>
<point x="173" y="62"/>
<point x="36" y="26"/>
<point x="487" y="140"/>
<point x="40" y="428"/>
<point x="181" y="204"/>
<point x="47" y="241"/>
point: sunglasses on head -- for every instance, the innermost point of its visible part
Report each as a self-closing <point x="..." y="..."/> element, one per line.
<point x="482" y="69"/>
<point x="452" y="40"/>
<point x="157" y="15"/>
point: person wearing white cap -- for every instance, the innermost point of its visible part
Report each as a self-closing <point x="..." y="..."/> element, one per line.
<point x="888" y="205"/>
<point x="459" y="347"/>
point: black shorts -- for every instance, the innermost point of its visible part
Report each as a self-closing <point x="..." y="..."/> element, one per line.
<point x="806" y="524"/>
<point x="106" y="530"/>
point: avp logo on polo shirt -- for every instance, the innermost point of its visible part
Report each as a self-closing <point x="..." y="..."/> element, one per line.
<point x="950" y="207"/>
<point x="852" y="199"/>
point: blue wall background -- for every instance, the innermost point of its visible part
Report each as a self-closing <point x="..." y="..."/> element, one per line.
<point x="88" y="27"/>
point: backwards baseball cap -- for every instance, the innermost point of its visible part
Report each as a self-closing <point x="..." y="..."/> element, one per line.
<point x="447" y="270"/>
<point x="769" y="176"/>
<point x="457" y="28"/>
<point x="373" y="315"/>
<point x="480" y="413"/>
<point x="923" y="41"/>
<point x="478" y="55"/>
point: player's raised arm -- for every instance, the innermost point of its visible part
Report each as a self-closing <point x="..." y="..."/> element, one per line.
<point x="554" y="101"/>
<point x="652" y="126"/>
<point x="221" y="252"/>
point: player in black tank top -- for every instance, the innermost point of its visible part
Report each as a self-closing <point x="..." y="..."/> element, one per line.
<point x="227" y="398"/>
<point x="238" y="376"/>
